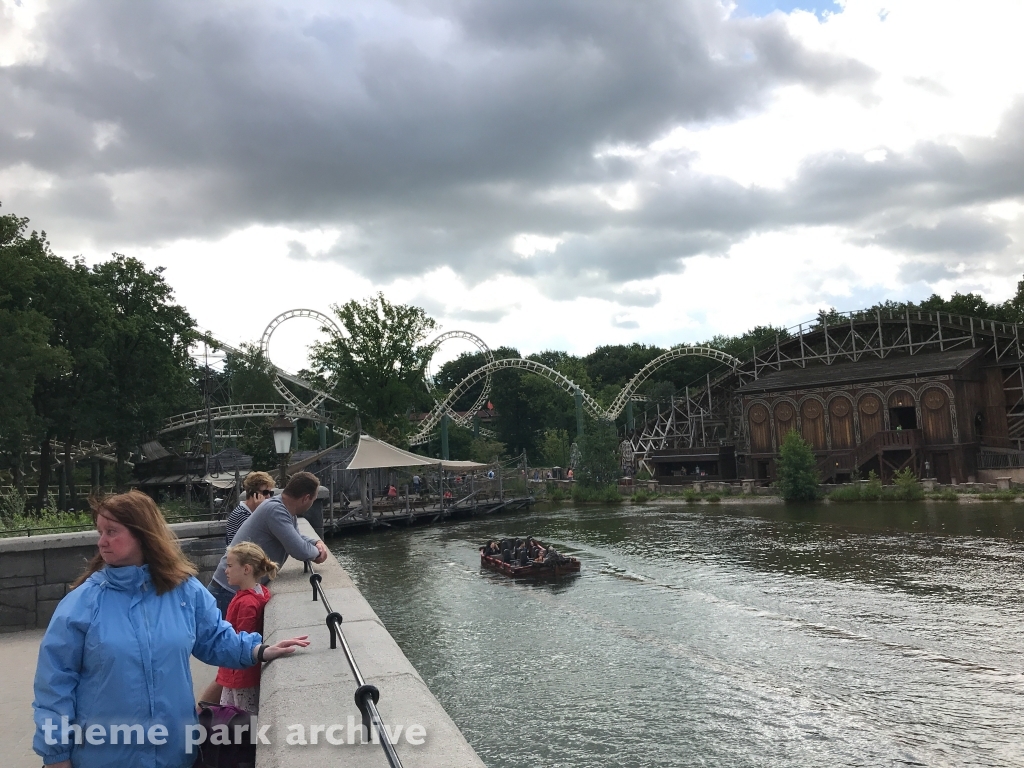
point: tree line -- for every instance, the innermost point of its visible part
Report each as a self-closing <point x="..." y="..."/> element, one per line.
<point x="102" y="353"/>
<point x="86" y="353"/>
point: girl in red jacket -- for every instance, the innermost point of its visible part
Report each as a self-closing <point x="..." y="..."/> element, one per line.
<point x="247" y="563"/>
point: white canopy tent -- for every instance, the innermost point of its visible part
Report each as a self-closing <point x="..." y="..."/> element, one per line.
<point x="372" y="453"/>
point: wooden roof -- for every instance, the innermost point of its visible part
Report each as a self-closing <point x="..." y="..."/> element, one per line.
<point x="868" y="368"/>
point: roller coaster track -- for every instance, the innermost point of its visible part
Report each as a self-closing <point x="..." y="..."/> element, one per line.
<point x="247" y="411"/>
<point x="296" y="408"/>
<point x="628" y="391"/>
<point x="568" y="385"/>
<point x="293" y="407"/>
<point x="467" y="419"/>
<point x="326" y="323"/>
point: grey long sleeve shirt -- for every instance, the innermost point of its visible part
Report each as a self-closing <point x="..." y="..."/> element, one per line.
<point x="276" y="530"/>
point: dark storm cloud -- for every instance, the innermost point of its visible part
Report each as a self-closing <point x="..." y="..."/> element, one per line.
<point x="435" y="132"/>
<point x="217" y="116"/>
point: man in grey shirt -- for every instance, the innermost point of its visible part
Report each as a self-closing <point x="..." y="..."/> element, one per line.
<point x="274" y="526"/>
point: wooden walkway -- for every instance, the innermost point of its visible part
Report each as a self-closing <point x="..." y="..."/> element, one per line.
<point x="391" y="514"/>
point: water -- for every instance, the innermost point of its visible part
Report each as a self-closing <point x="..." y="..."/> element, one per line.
<point x="856" y="635"/>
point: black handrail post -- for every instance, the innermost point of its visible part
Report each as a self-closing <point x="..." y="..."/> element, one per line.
<point x="334" y="625"/>
<point x="314" y="582"/>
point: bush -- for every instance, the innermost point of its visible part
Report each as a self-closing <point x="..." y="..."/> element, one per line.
<point x="845" y="493"/>
<point x="872" y="489"/>
<point x="15" y="517"/>
<point x="714" y="498"/>
<point x="906" y="487"/>
<point x="556" y="495"/>
<point x="797" y="469"/>
<point x="640" y="497"/>
<point x="691" y="496"/>
<point x="608" y="494"/>
<point x="999" y="496"/>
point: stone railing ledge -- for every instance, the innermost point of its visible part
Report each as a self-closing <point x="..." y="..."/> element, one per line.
<point x="315" y="686"/>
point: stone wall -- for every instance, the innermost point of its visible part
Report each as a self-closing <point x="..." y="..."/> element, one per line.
<point x="315" y="686"/>
<point x="35" y="571"/>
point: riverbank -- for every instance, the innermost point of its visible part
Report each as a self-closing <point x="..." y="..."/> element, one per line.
<point x="750" y="635"/>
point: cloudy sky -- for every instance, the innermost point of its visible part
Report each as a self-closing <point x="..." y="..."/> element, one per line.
<point x="545" y="174"/>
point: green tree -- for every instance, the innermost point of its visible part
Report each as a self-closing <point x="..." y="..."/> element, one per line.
<point x="69" y="405"/>
<point x="797" y="469"/>
<point x="554" y="449"/>
<point x="600" y="463"/>
<point x="27" y="356"/>
<point x="148" y="372"/>
<point x="485" y="451"/>
<point x="378" y="364"/>
<point x="250" y="376"/>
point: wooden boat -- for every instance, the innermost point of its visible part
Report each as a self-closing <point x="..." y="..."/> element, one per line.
<point x="567" y="566"/>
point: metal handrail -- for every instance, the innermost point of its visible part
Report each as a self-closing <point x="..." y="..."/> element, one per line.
<point x="367" y="695"/>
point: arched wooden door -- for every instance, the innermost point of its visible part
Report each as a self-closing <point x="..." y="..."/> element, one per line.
<point x="871" y="417"/>
<point x="936" y="417"/>
<point x="841" y="421"/>
<point x="760" y="429"/>
<point x="812" y="424"/>
<point x="785" y="420"/>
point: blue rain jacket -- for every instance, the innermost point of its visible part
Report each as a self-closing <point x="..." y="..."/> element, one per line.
<point x="116" y="653"/>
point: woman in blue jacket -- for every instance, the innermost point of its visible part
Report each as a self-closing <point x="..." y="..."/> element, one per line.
<point x="113" y="685"/>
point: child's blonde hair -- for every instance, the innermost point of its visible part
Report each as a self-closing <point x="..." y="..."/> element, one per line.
<point x="249" y="553"/>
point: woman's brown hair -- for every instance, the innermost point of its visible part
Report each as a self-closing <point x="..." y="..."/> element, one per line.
<point x="168" y="566"/>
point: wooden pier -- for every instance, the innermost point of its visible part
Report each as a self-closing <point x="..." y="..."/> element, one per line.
<point x="404" y="512"/>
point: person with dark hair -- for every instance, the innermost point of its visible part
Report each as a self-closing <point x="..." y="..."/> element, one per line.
<point x="116" y="652"/>
<point x="258" y="487"/>
<point x="274" y="527"/>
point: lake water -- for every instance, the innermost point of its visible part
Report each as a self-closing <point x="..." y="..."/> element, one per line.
<point x="855" y="635"/>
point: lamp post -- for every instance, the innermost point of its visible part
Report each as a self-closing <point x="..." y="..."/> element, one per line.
<point x="282" y="428"/>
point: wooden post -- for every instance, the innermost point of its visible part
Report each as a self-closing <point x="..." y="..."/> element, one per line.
<point x="881" y="339"/>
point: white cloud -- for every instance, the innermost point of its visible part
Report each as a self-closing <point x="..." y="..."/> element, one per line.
<point x="616" y="220"/>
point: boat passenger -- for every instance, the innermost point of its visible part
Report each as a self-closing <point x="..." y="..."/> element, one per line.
<point x="506" y="555"/>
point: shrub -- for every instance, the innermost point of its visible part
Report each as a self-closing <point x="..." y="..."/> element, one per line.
<point x="608" y="494"/>
<point x="640" y="497"/>
<point x="556" y="495"/>
<point x="691" y="496"/>
<point x="714" y="498"/>
<point x="872" y="489"/>
<point x="846" y="493"/>
<point x="797" y="469"/>
<point x="906" y="487"/>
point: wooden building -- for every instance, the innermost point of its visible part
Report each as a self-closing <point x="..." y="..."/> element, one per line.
<point x="939" y="394"/>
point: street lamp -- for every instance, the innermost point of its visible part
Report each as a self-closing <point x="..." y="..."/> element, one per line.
<point x="282" y="428"/>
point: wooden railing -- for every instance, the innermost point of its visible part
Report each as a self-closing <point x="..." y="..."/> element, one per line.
<point x="887" y="440"/>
